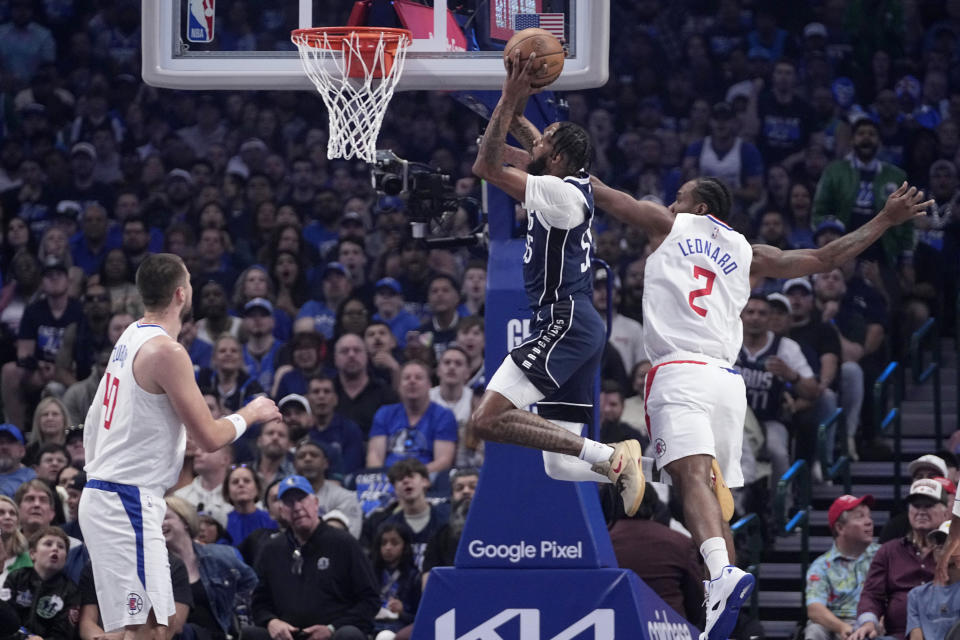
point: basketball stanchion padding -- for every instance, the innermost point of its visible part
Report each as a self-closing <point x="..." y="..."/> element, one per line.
<point x="355" y="71"/>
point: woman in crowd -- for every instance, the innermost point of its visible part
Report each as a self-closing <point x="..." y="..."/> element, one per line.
<point x="308" y="351"/>
<point x="227" y="375"/>
<point x="13" y="544"/>
<point x="56" y="245"/>
<point x="242" y="488"/>
<point x="116" y="275"/>
<point x="50" y="423"/>
<point x="218" y="579"/>
<point x="799" y="211"/>
<point x="394" y="567"/>
<point x="289" y="273"/>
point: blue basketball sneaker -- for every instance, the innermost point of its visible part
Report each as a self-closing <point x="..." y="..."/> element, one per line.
<point x="725" y="596"/>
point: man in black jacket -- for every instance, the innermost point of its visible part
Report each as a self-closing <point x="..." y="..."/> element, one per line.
<point x="315" y="582"/>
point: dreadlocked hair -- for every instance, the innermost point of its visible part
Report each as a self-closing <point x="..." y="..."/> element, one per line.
<point x="573" y="142"/>
<point x="715" y="194"/>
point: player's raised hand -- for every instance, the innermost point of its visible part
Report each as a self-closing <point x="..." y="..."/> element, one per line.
<point x="521" y="74"/>
<point x="263" y="409"/>
<point x="906" y="203"/>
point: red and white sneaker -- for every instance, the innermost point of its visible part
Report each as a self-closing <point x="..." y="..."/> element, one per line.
<point x="625" y="470"/>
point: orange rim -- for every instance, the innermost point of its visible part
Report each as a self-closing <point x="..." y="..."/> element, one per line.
<point x="367" y="36"/>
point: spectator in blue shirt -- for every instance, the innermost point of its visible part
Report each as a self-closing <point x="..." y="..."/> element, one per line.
<point x="321" y="316"/>
<point x="90" y="245"/>
<point x="388" y="299"/>
<point x="415" y="427"/>
<point x="934" y="609"/>
<point x="12" y="450"/>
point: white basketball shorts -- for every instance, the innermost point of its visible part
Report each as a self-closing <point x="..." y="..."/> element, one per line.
<point x="695" y="407"/>
<point x="122" y="530"/>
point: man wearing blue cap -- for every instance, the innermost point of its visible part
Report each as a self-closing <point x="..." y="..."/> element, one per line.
<point x="321" y="316"/>
<point x="12" y="471"/>
<point x="388" y="299"/>
<point x="315" y="581"/>
<point x="261" y="350"/>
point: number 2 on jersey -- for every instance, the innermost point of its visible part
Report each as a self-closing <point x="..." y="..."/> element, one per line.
<point x="699" y="272"/>
<point x="110" y="393"/>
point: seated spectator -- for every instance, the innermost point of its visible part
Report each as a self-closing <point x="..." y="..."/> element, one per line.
<point x="834" y="580"/>
<point x="252" y="545"/>
<point x="410" y="480"/>
<point x="901" y="565"/>
<point x="474" y="291"/>
<point x="667" y="561"/>
<point x="452" y="393"/>
<point x="272" y="460"/>
<point x="216" y="575"/>
<point x="51" y="459"/>
<point x="359" y="396"/>
<point x="261" y="352"/>
<point x="341" y="436"/>
<point x="311" y="462"/>
<point x="441" y="549"/>
<point x="382" y="351"/>
<point x="398" y="576"/>
<point x="254" y="282"/>
<point x="307" y="352"/>
<point x="205" y="493"/>
<point x="626" y="334"/>
<point x="933" y="609"/>
<point x="612" y="426"/>
<point x="353" y="316"/>
<point x="242" y="489"/>
<point x="634" y="410"/>
<point x="37" y="504"/>
<point x="74" y="445"/>
<point x="200" y="351"/>
<point x="314" y="577"/>
<point x="471" y="338"/>
<point x="768" y="364"/>
<point x="320" y="316"/>
<point x="12" y="471"/>
<point x="926" y="466"/>
<point x="50" y="422"/>
<point x="74" y="488"/>
<point x="228" y="375"/>
<point x="46" y="600"/>
<point x="13" y="544"/>
<point x="90" y="626"/>
<point x="212" y="310"/>
<point x="415" y="427"/>
<point x="443" y="296"/>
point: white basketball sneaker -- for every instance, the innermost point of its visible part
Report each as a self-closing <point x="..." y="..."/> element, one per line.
<point x="725" y="596"/>
<point x="625" y="470"/>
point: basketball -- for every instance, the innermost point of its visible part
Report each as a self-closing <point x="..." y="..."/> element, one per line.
<point x="549" y="52"/>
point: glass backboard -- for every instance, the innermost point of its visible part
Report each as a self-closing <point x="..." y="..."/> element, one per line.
<point x="457" y="44"/>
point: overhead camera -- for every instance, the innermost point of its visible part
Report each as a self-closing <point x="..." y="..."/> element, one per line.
<point x="429" y="193"/>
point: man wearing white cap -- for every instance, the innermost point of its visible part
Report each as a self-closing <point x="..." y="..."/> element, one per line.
<point x="934" y="609"/>
<point x="901" y="565"/>
<point x="927" y="466"/>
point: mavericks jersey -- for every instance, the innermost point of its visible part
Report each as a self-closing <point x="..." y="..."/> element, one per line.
<point x="695" y="285"/>
<point x="764" y="389"/>
<point x="132" y="436"/>
<point x="556" y="261"/>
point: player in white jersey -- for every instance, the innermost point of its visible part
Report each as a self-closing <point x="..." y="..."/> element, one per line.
<point x="135" y="437"/>
<point x="696" y="283"/>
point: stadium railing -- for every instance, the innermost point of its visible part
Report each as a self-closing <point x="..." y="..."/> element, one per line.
<point x="797" y="475"/>
<point x="887" y="395"/>
<point x="749" y="529"/>
<point x="923" y="339"/>
<point x="840" y="466"/>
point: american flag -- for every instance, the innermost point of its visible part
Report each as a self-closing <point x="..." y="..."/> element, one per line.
<point x="552" y="22"/>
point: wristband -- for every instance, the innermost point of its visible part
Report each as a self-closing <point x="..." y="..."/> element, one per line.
<point x="332" y="628"/>
<point x="239" y="424"/>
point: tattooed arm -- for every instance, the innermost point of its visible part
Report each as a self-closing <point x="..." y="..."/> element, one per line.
<point x="903" y="204"/>
<point x="490" y="157"/>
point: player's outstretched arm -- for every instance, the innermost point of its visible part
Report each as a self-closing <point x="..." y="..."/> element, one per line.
<point x="904" y="204"/>
<point x="490" y="157"/>
<point x="172" y="371"/>
<point x="653" y="218"/>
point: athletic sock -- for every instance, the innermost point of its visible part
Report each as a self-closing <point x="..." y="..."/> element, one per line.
<point x="595" y="452"/>
<point x="714" y="552"/>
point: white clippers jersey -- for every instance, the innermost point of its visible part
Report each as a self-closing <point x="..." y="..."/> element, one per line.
<point x="132" y="436"/>
<point x="695" y="285"/>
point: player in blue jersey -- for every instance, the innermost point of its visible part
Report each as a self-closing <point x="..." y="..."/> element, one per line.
<point x="555" y="367"/>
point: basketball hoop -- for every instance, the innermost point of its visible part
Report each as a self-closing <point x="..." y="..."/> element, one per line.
<point x="355" y="70"/>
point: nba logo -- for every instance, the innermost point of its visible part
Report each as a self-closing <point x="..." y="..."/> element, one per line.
<point x="200" y="20"/>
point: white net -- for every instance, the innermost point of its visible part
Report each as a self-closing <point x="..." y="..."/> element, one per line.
<point x="356" y="105"/>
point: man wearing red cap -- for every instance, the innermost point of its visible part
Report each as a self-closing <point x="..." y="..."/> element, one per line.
<point x="901" y="565"/>
<point x="835" y="579"/>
